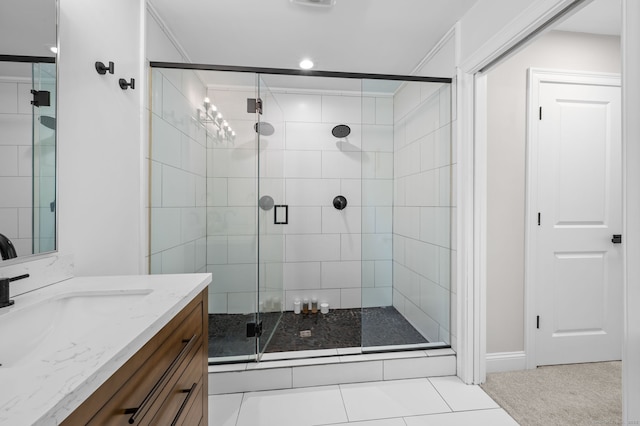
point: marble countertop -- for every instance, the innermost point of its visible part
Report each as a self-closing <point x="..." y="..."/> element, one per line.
<point x="47" y="387"/>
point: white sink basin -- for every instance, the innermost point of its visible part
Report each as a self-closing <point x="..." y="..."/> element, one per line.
<point x="36" y="330"/>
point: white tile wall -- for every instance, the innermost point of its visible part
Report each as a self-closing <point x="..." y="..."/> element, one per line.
<point x="308" y="248"/>
<point x="302" y="275"/>
<point x="341" y="274"/>
<point x="16" y="129"/>
<point x="341" y="109"/>
<point x="346" y="221"/>
<point x="401" y="145"/>
<point x="379" y="296"/>
<point x="311" y="192"/>
<point x="337" y="373"/>
<point x="254" y="380"/>
<point x="303" y="164"/>
<point x="16" y="164"/>
<point x="423" y="169"/>
<point x="300" y="107"/>
<point x="178" y="175"/>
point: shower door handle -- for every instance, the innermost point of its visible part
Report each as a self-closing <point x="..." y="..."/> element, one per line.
<point x="280" y="214"/>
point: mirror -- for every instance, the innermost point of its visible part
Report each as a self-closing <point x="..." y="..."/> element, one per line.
<point x="28" y="126"/>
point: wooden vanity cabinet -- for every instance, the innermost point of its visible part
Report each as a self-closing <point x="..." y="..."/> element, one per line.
<point x="164" y="383"/>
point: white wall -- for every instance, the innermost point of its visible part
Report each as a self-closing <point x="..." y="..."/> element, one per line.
<point x="101" y="194"/>
<point x="506" y="169"/>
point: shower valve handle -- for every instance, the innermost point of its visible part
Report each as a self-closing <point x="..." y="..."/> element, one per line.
<point x="339" y="202"/>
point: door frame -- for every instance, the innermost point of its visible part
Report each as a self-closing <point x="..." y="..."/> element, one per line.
<point x="536" y="76"/>
<point x="471" y="221"/>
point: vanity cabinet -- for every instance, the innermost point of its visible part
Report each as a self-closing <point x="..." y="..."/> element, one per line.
<point x="164" y="383"/>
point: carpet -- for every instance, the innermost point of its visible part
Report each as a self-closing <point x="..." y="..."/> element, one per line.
<point x="576" y="394"/>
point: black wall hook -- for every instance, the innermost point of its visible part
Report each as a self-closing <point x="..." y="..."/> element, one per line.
<point x="124" y="85"/>
<point x="102" y="69"/>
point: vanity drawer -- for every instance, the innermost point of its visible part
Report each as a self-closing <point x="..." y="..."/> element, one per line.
<point x="185" y="392"/>
<point x="148" y="389"/>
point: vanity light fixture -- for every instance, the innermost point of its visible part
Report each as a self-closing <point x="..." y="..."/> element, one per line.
<point x="209" y="114"/>
<point x="306" y="64"/>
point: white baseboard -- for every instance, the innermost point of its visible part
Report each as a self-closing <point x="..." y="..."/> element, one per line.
<point x="506" y="361"/>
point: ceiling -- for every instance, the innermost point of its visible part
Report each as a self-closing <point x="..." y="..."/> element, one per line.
<point x="598" y="17"/>
<point x="366" y="36"/>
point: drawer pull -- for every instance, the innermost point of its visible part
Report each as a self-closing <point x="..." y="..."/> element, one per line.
<point x="184" y="403"/>
<point x="151" y="396"/>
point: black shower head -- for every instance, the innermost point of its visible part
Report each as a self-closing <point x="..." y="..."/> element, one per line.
<point x="341" y="131"/>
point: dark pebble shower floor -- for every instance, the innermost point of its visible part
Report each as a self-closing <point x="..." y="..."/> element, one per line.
<point x="340" y="328"/>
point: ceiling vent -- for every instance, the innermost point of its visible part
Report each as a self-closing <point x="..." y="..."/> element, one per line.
<point x="315" y="3"/>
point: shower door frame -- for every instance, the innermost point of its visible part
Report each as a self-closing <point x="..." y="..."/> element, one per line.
<point x="259" y="71"/>
<point x="266" y="330"/>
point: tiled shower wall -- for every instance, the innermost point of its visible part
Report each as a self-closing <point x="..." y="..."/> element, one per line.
<point x="15" y="163"/>
<point x="369" y="254"/>
<point x="304" y="166"/>
<point x="423" y="207"/>
<point x="178" y="173"/>
<point x="232" y="225"/>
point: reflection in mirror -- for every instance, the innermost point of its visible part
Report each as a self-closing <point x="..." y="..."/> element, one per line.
<point x="28" y="156"/>
<point x="28" y="126"/>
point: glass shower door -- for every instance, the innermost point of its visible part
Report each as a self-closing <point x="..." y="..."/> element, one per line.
<point x="273" y="213"/>
<point x="44" y="157"/>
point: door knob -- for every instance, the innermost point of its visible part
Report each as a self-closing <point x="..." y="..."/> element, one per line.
<point x="617" y="239"/>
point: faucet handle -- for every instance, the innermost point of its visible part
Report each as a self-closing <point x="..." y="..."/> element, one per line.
<point x="4" y="293"/>
<point x="19" y="277"/>
<point x="4" y="289"/>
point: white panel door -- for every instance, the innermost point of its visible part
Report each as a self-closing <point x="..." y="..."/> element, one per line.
<point x="578" y="276"/>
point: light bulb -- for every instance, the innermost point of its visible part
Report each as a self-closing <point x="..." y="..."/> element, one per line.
<point x="306" y="64"/>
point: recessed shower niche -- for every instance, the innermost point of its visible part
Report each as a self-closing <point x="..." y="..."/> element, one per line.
<point x="302" y="192"/>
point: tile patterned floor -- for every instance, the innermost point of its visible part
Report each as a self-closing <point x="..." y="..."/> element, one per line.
<point x="341" y="328"/>
<point x="413" y="402"/>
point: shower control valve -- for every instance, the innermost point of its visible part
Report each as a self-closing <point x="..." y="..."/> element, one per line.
<point x="340" y="202"/>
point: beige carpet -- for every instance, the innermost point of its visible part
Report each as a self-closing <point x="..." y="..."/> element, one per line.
<point x="577" y="394"/>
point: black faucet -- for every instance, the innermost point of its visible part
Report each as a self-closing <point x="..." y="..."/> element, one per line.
<point x="7" y="250"/>
<point x="4" y="289"/>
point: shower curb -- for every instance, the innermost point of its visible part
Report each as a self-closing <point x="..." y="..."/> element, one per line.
<point x="335" y="370"/>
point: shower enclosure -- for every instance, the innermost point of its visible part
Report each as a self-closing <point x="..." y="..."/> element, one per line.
<point x="304" y="193"/>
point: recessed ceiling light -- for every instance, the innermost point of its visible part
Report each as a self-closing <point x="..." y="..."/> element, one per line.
<point x="306" y="64"/>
